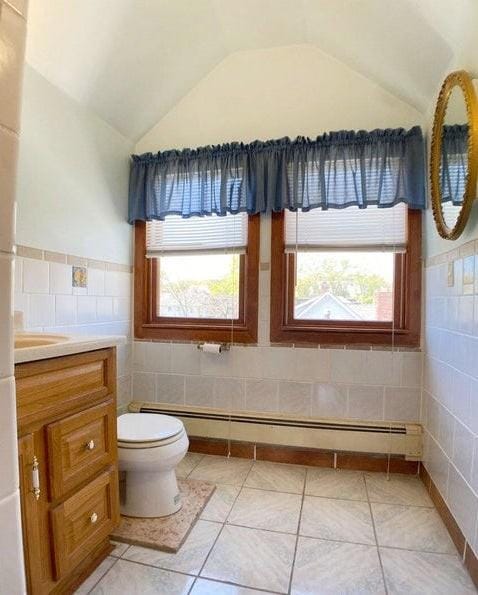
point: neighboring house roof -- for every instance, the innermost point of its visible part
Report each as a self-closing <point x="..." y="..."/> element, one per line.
<point x="338" y="306"/>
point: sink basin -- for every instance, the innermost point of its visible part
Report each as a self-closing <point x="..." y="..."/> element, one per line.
<point x="25" y="340"/>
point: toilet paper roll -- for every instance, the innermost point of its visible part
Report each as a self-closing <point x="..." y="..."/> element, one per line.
<point x="212" y="348"/>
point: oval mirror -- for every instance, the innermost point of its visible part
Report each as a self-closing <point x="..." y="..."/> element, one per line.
<point x="454" y="154"/>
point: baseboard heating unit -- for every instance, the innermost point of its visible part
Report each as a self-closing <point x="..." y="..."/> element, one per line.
<point x="286" y="430"/>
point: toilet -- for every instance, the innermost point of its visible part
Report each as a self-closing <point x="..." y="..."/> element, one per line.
<point x="150" y="446"/>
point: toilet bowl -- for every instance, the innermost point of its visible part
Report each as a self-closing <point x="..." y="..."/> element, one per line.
<point x="150" y="446"/>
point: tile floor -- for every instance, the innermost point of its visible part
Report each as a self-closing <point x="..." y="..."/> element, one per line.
<point x="289" y="529"/>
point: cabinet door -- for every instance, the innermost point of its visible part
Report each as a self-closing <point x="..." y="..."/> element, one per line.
<point x="35" y="517"/>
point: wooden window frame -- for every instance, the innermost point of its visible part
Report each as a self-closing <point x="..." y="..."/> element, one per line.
<point x="147" y="325"/>
<point x="404" y="331"/>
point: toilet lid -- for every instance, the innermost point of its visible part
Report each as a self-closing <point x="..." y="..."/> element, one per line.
<point x="147" y="427"/>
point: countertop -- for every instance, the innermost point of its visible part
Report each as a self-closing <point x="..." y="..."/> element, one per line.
<point x="74" y="344"/>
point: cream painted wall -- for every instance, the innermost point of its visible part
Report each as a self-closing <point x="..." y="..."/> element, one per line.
<point x="462" y="38"/>
<point x="271" y="93"/>
<point x="72" y="178"/>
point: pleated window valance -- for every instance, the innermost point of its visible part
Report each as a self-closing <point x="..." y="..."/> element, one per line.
<point x="334" y="171"/>
<point x="454" y="163"/>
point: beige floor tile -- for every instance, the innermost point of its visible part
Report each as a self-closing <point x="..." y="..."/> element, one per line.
<point x="260" y="509"/>
<point x="119" y="550"/>
<point x="399" y="489"/>
<point x="252" y="558"/>
<point x="277" y="477"/>
<point x="220" y="504"/>
<point x="96" y="575"/>
<point x="222" y="470"/>
<point x="336" y="483"/>
<point x="419" y="573"/>
<point x="206" y="587"/>
<point x="412" y="528"/>
<point x="341" y="520"/>
<point x="190" y="556"/>
<point x="190" y="461"/>
<point x="137" y="579"/>
<point x="334" y="567"/>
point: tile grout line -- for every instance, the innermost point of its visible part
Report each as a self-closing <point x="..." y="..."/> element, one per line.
<point x="241" y="487"/>
<point x="158" y="567"/>
<point x="191" y="470"/>
<point x="375" y="535"/>
<point x="117" y="558"/>
<point x="221" y="530"/>
<point x="298" y="531"/>
<point x="229" y="583"/>
<point x="101" y="577"/>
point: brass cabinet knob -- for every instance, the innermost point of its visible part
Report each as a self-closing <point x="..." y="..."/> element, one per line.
<point x="90" y="445"/>
<point x="93" y="518"/>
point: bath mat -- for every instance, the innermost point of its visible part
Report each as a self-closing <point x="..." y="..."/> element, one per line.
<point x="167" y="533"/>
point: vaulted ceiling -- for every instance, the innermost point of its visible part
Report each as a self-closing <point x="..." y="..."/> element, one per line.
<point x="131" y="61"/>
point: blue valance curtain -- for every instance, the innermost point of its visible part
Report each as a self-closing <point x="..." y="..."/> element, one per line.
<point x="334" y="171"/>
<point x="454" y="163"/>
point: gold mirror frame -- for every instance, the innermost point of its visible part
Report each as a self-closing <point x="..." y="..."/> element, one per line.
<point x="462" y="79"/>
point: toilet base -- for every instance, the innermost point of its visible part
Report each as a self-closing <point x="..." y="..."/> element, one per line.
<point x="151" y="494"/>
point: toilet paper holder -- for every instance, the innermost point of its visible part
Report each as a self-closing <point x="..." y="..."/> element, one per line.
<point x="214" y="347"/>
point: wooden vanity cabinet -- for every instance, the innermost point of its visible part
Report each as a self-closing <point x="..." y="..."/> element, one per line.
<point x="66" y="415"/>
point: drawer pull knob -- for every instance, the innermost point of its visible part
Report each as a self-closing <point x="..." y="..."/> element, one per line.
<point x="90" y="445"/>
<point x="94" y="517"/>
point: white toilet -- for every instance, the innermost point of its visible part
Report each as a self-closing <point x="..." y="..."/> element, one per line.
<point x="150" y="446"/>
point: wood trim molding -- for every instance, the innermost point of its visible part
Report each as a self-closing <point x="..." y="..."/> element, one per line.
<point x="405" y="330"/>
<point x="463" y="547"/>
<point x="147" y="325"/>
<point x="314" y="457"/>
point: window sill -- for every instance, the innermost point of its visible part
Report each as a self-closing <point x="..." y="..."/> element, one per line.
<point x="340" y="337"/>
<point x="195" y="333"/>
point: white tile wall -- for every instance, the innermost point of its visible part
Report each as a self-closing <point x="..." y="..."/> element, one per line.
<point x="329" y="400"/>
<point x="300" y="381"/>
<point x="11" y="562"/>
<point x="8" y="164"/>
<point x="44" y="292"/>
<point x="60" y="278"/>
<point x="36" y="276"/>
<point x="6" y="345"/>
<point x="450" y="397"/>
<point x="12" y="45"/>
<point x="9" y="480"/>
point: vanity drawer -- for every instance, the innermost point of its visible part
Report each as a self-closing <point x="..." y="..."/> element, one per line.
<point x="83" y="521"/>
<point x="51" y="388"/>
<point x="80" y="446"/>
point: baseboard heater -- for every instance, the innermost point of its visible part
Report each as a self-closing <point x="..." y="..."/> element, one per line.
<point x="285" y="430"/>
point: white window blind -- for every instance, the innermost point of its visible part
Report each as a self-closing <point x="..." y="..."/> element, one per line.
<point x="197" y="235"/>
<point x="347" y="229"/>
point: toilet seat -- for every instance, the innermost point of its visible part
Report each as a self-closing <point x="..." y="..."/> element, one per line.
<point x="148" y="430"/>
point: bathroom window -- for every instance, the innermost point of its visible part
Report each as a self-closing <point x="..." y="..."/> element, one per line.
<point x="346" y="276"/>
<point x="197" y="278"/>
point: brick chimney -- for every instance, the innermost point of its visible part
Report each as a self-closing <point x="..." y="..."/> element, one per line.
<point x="384" y="305"/>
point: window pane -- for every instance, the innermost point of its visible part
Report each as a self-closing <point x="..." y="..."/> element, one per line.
<point x="344" y="286"/>
<point x="202" y="286"/>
